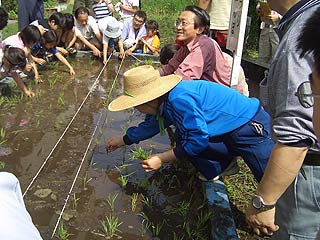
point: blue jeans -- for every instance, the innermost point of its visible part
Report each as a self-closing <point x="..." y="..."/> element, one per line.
<point x="251" y="141"/>
<point x="298" y="209"/>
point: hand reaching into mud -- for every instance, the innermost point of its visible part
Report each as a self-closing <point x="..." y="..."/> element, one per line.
<point x="114" y="143"/>
<point x="29" y="93"/>
<point x="152" y="163"/>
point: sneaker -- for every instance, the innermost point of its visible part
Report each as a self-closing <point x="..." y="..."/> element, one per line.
<point x="232" y="169"/>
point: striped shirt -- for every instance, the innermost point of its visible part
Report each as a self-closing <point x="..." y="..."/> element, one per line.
<point x="101" y="9"/>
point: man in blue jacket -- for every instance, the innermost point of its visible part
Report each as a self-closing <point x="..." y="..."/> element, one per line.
<point x="213" y="123"/>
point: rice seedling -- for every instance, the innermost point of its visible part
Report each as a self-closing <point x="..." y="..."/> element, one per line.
<point x="2" y="165"/>
<point x="110" y="227"/>
<point x="3" y="136"/>
<point x="175" y="237"/>
<point x="52" y="81"/>
<point x="203" y="218"/>
<point x="75" y="201"/>
<point x="62" y="232"/>
<point x="189" y="231"/>
<point x="145" y="224"/>
<point x="60" y="99"/>
<point x="156" y="229"/>
<point x="111" y="201"/>
<point x="146" y="200"/>
<point x="139" y="154"/>
<point x="2" y="100"/>
<point x="134" y="199"/>
<point x="12" y="100"/>
<point x="124" y="178"/>
<point x="37" y="123"/>
<point x="85" y="181"/>
<point x="182" y="209"/>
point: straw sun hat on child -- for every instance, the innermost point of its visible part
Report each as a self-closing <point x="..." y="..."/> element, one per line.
<point x="143" y="84"/>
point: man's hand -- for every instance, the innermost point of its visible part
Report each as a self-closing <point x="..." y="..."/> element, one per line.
<point x="152" y="163"/>
<point x="114" y="143"/>
<point x="261" y="222"/>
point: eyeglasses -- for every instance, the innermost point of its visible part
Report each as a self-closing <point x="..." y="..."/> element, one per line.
<point x="179" y="22"/>
<point x="305" y="95"/>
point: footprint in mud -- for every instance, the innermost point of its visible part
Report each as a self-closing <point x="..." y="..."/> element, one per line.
<point x="5" y="151"/>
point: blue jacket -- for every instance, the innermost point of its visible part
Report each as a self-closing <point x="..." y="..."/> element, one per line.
<point x="200" y="110"/>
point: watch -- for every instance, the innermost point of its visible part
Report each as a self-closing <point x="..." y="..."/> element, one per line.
<point x="259" y="204"/>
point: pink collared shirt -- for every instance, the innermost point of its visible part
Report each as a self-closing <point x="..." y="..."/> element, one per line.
<point x="200" y="59"/>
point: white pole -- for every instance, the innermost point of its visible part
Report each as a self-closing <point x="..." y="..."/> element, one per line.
<point x="236" y="34"/>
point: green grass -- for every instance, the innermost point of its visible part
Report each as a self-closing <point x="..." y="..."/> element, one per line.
<point x="240" y="188"/>
<point x="165" y="13"/>
<point x="9" y="30"/>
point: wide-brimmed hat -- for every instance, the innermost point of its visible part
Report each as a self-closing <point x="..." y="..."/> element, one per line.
<point x="143" y="84"/>
<point x="113" y="29"/>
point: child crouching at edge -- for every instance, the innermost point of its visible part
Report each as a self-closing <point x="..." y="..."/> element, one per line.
<point x="24" y="40"/>
<point x="12" y="61"/>
<point x="48" y="42"/>
<point x="111" y="30"/>
<point x="149" y="44"/>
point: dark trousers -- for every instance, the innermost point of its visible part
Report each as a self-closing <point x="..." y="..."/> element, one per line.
<point x="251" y="141"/>
<point x="29" y="11"/>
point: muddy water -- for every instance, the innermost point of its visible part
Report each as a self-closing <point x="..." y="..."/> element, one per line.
<point x="169" y="204"/>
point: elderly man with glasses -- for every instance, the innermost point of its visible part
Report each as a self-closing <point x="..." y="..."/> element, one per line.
<point x="200" y="57"/>
<point x="291" y="181"/>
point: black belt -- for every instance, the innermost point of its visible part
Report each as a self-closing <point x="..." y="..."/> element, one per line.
<point x="312" y="160"/>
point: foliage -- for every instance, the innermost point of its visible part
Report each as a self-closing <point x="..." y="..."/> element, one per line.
<point x="165" y="13"/>
<point x="10" y="6"/>
<point x="253" y="35"/>
<point x="139" y="154"/>
<point x="2" y="165"/>
<point x="50" y="3"/>
<point x="62" y="233"/>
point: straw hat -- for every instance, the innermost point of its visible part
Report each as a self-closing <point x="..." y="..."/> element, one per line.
<point x="143" y="84"/>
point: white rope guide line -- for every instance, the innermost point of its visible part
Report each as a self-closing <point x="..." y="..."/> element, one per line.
<point x="66" y="128"/>
<point x="114" y="80"/>
<point x="84" y="156"/>
<point x="76" y="177"/>
<point x="133" y="56"/>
